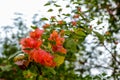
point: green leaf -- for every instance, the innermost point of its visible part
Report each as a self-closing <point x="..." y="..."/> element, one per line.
<point x="68" y="32"/>
<point x="44" y="19"/>
<point x="70" y="45"/>
<point x="100" y="36"/>
<point x="66" y="15"/>
<point x="34" y="27"/>
<point x="50" y="10"/>
<point x="47" y="4"/>
<point x="104" y="74"/>
<point x="60" y="10"/>
<point x="59" y="59"/>
<point x="67" y="6"/>
<point x="76" y="2"/>
<point x="52" y="70"/>
<point x="56" y="5"/>
<point x="15" y="54"/>
<point x="6" y="67"/>
<point x="79" y="32"/>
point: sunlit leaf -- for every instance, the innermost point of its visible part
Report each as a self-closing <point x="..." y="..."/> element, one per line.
<point x="15" y="54"/>
<point x="100" y="36"/>
<point x="6" y="67"/>
<point x="59" y="59"/>
<point x="80" y="32"/>
<point x="19" y="57"/>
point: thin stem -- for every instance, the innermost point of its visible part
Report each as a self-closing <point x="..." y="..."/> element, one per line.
<point x="111" y="54"/>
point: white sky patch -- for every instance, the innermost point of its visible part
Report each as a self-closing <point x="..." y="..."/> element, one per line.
<point x="26" y="7"/>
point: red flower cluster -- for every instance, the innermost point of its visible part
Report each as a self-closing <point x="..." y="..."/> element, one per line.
<point x="36" y="34"/>
<point x="31" y="46"/>
<point x="58" y="46"/>
<point x="43" y="57"/>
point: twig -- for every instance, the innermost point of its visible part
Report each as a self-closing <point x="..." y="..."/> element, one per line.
<point x="111" y="54"/>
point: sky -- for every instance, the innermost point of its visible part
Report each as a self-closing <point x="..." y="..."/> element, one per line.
<point x="27" y="7"/>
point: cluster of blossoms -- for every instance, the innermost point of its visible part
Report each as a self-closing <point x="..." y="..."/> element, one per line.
<point x="32" y="46"/>
<point x="58" y="45"/>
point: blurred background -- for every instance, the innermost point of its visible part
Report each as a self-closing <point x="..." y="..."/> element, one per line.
<point x="93" y="59"/>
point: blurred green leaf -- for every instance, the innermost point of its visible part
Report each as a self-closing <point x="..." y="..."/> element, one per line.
<point x="6" y="67"/>
<point x="44" y="19"/>
<point x="79" y="31"/>
<point x="34" y="27"/>
<point x="56" y="5"/>
<point x="52" y="70"/>
<point x="15" y="54"/>
<point x="60" y="10"/>
<point x="66" y="14"/>
<point x="59" y="59"/>
<point x="70" y="45"/>
<point x="50" y="10"/>
<point x="67" y="6"/>
<point x="100" y="36"/>
<point x="47" y="4"/>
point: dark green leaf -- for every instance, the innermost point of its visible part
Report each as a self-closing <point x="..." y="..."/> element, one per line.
<point x="67" y="6"/>
<point x="48" y="3"/>
<point x="50" y="10"/>
<point x="43" y="19"/>
<point x="66" y="14"/>
<point x="60" y="10"/>
<point x="34" y="27"/>
<point x="56" y="5"/>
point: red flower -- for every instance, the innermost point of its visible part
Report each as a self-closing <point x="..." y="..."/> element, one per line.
<point x="59" y="41"/>
<point x="60" y="49"/>
<point x="74" y="23"/>
<point x="62" y="33"/>
<point x="36" y="34"/>
<point x="46" y="26"/>
<point x="53" y="36"/>
<point x="58" y="46"/>
<point x="79" y="9"/>
<point x="43" y="57"/>
<point x="56" y="37"/>
<point x="30" y="43"/>
<point x="61" y="22"/>
<point x="76" y="16"/>
<point x="52" y="17"/>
